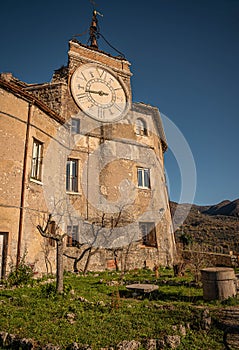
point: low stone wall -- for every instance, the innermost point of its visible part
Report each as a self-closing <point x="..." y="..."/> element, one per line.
<point x="11" y="341"/>
<point x="136" y="256"/>
<point x="215" y="258"/>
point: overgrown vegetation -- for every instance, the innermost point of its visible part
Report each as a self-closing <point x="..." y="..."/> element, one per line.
<point x="99" y="310"/>
<point x="20" y="275"/>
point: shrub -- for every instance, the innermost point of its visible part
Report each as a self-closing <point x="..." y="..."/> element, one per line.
<point x="48" y="290"/>
<point x="20" y="275"/>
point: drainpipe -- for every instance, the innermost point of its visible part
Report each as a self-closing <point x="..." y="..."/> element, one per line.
<point x="87" y="177"/>
<point x="23" y="187"/>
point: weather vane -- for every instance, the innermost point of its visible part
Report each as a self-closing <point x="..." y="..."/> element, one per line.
<point x="94" y="5"/>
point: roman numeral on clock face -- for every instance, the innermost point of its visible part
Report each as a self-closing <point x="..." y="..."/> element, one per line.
<point x="82" y="97"/>
<point x="102" y="74"/>
<point x="110" y="111"/>
<point x="101" y="113"/>
<point x="84" y="77"/>
<point x="119" y="108"/>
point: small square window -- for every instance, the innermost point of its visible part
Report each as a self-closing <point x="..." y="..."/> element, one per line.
<point x="72" y="236"/>
<point x="75" y="126"/>
<point x="36" y="170"/>
<point x="143" y="177"/>
<point x="148" y="233"/>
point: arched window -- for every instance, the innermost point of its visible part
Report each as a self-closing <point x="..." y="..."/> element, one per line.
<point x="140" y="127"/>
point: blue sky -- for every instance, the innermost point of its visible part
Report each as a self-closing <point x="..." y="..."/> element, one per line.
<point x="185" y="61"/>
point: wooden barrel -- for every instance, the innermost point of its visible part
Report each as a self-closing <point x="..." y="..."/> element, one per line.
<point x="218" y="283"/>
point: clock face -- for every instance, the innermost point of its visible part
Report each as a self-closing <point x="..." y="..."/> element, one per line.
<point x="99" y="93"/>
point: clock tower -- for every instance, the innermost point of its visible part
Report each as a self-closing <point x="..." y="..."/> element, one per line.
<point x="99" y="83"/>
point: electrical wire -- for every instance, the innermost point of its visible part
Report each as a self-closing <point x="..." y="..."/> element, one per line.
<point x="98" y="34"/>
<point x="108" y="43"/>
<point x="81" y="34"/>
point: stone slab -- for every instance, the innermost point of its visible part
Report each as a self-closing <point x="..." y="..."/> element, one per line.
<point x="142" y="287"/>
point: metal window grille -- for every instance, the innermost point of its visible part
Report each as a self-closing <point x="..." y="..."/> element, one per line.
<point x="72" y="236"/>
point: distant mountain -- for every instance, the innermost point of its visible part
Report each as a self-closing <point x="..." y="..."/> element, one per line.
<point x="224" y="208"/>
<point x="213" y="225"/>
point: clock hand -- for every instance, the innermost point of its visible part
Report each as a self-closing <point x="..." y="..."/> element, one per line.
<point x="101" y="93"/>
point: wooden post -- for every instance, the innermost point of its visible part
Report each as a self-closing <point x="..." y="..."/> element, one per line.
<point x="59" y="269"/>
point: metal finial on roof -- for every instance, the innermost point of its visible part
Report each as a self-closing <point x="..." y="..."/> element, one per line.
<point x="94" y="30"/>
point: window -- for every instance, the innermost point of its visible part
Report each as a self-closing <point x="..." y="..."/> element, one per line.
<point x="75" y="126"/>
<point x="72" y="236"/>
<point x="72" y="175"/>
<point x="140" y="127"/>
<point x="148" y="233"/>
<point x="36" y="160"/>
<point x="143" y="178"/>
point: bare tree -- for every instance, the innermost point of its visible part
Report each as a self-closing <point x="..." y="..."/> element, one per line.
<point x="87" y="246"/>
<point x="108" y="231"/>
<point x="51" y="231"/>
<point x="98" y="233"/>
<point x="93" y="231"/>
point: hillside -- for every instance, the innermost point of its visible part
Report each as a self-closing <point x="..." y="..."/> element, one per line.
<point x="216" y="226"/>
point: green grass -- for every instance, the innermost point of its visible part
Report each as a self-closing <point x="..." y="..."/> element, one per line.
<point x="104" y="319"/>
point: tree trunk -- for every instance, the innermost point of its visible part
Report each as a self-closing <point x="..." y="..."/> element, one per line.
<point x="75" y="267"/>
<point x="59" y="267"/>
<point x="87" y="262"/>
<point x="116" y="261"/>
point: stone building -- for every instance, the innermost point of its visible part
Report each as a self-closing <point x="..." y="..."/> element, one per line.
<point x="78" y="148"/>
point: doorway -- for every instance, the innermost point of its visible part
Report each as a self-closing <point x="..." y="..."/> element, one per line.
<point x="3" y="253"/>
